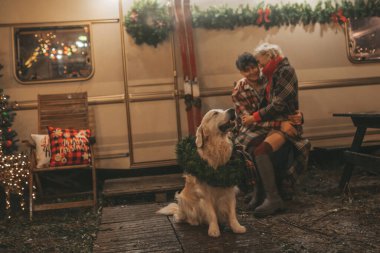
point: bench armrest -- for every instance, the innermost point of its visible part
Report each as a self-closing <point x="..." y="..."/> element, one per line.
<point x="28" y="144"/>
<point x="92" y="140"/>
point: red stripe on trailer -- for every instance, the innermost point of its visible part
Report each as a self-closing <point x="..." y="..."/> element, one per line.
<point x="197" y="112"/>
<point x="181" y="32"/>
<point x="190" y="40"/>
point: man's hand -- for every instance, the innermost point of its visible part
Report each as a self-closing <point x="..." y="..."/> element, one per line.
<point x="296" y="119"/>
<point x="247" y="120"/>
<point x="288" y="128"/>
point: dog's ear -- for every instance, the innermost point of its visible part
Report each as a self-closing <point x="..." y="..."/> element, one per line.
<point x="199" y="137"/>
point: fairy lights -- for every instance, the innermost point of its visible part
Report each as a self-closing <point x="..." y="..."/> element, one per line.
<point x="14" y="174"/>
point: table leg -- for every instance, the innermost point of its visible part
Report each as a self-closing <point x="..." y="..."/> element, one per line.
<point x="356" y="144"/>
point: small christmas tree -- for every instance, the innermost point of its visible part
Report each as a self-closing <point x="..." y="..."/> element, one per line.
<point x="7" y="135"/>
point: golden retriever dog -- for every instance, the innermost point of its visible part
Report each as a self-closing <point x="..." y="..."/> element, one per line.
<point x="199" y="203"/>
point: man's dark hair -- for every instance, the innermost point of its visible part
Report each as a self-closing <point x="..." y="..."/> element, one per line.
<point x="245" y="60"/>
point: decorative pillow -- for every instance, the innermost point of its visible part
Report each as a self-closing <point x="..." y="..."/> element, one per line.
<point x="69" y="146"/>
<point x="43" y="153"/>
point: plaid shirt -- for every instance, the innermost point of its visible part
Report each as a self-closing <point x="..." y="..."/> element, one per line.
<point x="283" y="102"/>
<point x="283" y="95"/>
<point x="247" y="100"/>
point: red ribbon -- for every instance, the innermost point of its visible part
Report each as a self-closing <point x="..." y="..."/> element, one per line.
<point x="338" y="16"/>
<point x="134" y="16"/>
<point x="263" y="16"/>
<point x="259" y="20"/>
<point x="267" y="13"/>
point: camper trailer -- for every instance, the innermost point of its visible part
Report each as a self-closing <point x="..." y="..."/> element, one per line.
<point x="139" y="76"/>
<point x="136" y="91"/>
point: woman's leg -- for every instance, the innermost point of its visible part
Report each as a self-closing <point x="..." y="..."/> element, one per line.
<point x="262" y="153"/>
<point x="256" y="196"/>
<point x="275" y="139"/>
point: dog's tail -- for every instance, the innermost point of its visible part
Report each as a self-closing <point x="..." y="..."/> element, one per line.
<point x="170" y="209"/>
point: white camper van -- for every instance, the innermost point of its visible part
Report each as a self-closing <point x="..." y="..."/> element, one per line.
<point x="136" y="91"/>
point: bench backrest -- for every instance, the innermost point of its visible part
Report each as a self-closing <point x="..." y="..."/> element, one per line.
<point x="62" y="110"/>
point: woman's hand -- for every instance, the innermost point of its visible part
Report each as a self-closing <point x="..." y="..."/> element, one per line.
<point x="296" y="119"/>
<point x="288" y="128"/>
<point x="247" y="120"/>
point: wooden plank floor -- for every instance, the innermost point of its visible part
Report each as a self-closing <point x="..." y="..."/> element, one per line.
<point x="137" y="228"/>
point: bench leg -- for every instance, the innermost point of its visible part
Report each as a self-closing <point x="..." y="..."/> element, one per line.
<point x="346" y="176"/>
<point x="348" y="168"/>
<point x="31" y="195"/>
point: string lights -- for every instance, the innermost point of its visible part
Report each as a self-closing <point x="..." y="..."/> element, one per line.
<point x="14" y="174"/>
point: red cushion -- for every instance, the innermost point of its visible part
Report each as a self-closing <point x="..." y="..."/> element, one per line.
<point x="69" y="146"/>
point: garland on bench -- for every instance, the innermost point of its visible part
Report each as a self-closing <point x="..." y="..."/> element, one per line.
<point x="227" y="175"/>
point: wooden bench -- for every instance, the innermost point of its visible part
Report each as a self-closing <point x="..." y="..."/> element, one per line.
<point x="362" y="159"/>
<point x="69" y="110"/>
<point x="355" y="155"/>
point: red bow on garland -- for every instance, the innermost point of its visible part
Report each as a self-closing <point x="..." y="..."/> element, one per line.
<point x="134" y="16"/>
<point x="263" y="15"/>
<point x="338" y="16"/>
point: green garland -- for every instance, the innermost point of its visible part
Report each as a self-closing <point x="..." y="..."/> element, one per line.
<point x="225" y="176"/>
<point x="148" y="22"/>
<point x="283" y="14"/>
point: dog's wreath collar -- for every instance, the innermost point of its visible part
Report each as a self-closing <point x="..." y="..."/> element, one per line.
<point x="228" y="175"/>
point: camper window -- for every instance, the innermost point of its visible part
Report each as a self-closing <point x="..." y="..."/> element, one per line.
<point x="52" y="54"/>
<point x="363" y="39"/>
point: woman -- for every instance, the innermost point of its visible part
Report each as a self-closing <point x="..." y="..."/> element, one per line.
<point x="280" y="101"/>
<point x="248" y="95"/>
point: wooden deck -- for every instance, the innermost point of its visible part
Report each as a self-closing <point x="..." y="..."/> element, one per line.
<point x="159" y="185"/>
<point x="137" y="228"/>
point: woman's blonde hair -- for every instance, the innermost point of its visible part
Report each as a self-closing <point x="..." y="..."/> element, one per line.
<point x="270" y="49"/>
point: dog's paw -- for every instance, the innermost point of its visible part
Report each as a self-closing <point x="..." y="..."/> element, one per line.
<point x="177" y="218"/>
<point x="214" y="231"/>
<point x="239" y="229"/>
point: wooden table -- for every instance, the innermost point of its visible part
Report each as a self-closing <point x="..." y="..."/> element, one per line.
<point x="353" y="156"/>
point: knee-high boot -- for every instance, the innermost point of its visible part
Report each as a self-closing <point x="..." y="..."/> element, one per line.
<point x="256" y="197"/>
<point x="273" y="201"/>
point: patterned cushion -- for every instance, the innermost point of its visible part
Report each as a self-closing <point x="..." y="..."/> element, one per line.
<point x="43" y="153"/>
<point x="69" y="146"/>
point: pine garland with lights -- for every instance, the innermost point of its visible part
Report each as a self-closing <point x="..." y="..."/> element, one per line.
<point x="228" y="175"/>
<point x="148" y="22"/>
<point x="271" y="15"/>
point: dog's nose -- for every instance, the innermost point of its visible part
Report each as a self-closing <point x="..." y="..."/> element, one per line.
<point x="231" y="113"/>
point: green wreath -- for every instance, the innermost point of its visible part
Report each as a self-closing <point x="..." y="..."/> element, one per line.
<point x="148" y="22"/>
<point x="227" y="175"/>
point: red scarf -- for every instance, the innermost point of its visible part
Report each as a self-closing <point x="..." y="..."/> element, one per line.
<point x="268" y="71"/>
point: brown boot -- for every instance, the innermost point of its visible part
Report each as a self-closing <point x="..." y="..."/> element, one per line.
<point x="273" y="201"/>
